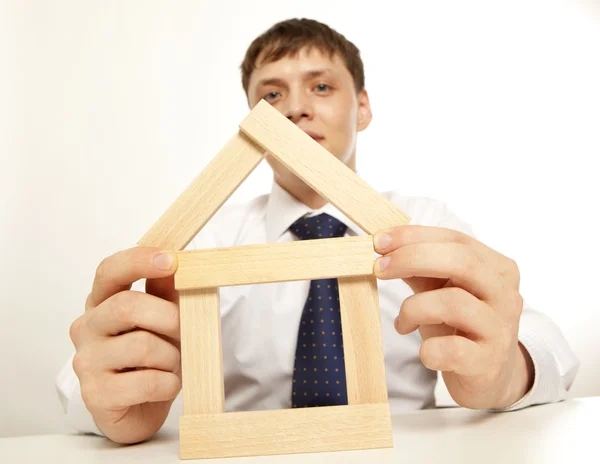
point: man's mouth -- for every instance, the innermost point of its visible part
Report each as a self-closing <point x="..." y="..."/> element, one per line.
<point x="315" y="136"/>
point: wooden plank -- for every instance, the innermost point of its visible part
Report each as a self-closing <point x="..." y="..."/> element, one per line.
<point x="322" y="171"/>
<point x="275" y="262"/>
<point x="285" y="431"/>
<point x="198" y="203"/>
<point x="363" y="345"/>
<point x="201" y="353"/>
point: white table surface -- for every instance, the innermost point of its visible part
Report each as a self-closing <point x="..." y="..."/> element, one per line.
<point x="553" y="433"/>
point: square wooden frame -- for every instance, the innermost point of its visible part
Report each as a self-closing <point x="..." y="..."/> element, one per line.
<point x="206" y="430"/>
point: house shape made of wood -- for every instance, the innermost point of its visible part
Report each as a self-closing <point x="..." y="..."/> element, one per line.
<point x="206" y="430"/>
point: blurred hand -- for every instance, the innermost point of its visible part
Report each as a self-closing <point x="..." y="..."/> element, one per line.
<point x="467" y="308"/>
<point x="127" y="345"/>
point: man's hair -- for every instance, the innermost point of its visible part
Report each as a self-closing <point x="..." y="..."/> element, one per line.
<point x="287" y="38"/>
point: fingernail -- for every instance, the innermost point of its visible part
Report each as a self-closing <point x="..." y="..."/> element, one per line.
<point x="382" y="263"/>
<point x="396" y="322"/>
<point x="164" y="261"/>
<point x="382" y="241"/>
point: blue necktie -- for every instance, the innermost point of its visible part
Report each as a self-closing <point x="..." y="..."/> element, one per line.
<point x="319" y="375"/>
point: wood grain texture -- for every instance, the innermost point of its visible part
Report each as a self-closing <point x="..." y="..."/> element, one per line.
<point x="285" y="431"/>
<point x="275" y="262"/>
<point x="201" y="353"/>
<point x="198" y="203"/>
<point x="322" y="171"/>
<point x="363" y="345"/>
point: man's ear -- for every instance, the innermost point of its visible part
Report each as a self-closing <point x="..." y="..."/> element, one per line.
<point x="364" y="111"/>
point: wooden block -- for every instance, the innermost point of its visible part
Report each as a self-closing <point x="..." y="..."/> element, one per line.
<point x="275" y="262"/>
<point x="180" y="223"/>
<point x="322" y="171"/>
<point x="285" y="431"/>
<point x="201" y="354"/>
<point x="363" y="346"/>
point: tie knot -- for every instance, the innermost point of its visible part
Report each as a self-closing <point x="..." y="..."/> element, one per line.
<point x="315" y="227"/>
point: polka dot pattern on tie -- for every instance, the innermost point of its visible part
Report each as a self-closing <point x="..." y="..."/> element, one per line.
<point x="319" y="377"/>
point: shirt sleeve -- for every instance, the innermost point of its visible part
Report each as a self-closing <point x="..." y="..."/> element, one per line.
<point x="555" y="363"/>
<point x="77" y="415"/>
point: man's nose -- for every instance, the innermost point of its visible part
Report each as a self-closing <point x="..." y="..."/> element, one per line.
<point x="298" y="107"/>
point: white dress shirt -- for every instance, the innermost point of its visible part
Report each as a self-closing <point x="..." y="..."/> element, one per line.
<point x="260" y="322"/>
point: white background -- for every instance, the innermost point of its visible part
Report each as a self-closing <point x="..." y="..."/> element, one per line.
<point x="108" y="109"/>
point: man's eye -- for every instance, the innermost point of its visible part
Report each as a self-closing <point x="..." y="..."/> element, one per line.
<point x="323" y="88"/>
<point x="271" y="95"/>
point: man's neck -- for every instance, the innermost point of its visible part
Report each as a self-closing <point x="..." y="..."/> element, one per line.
<point x="305" y="194"/>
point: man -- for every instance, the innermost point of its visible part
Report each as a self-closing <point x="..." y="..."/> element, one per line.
<point x="448" y="302"/>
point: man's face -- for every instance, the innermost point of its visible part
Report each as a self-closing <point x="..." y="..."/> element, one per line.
<point x="318" y="95"/>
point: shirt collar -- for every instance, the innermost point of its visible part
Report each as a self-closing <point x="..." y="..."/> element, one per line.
<point x="283" y="209"/>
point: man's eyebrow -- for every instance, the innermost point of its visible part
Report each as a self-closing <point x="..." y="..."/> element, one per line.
<point x="316" y="73"/>
<point x="271" y="81"/>
<point x="280" y="82"/>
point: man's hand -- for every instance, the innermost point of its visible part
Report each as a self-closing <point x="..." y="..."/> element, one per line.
<point x="467" y="307"/>
<point x="127" y="345"/>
